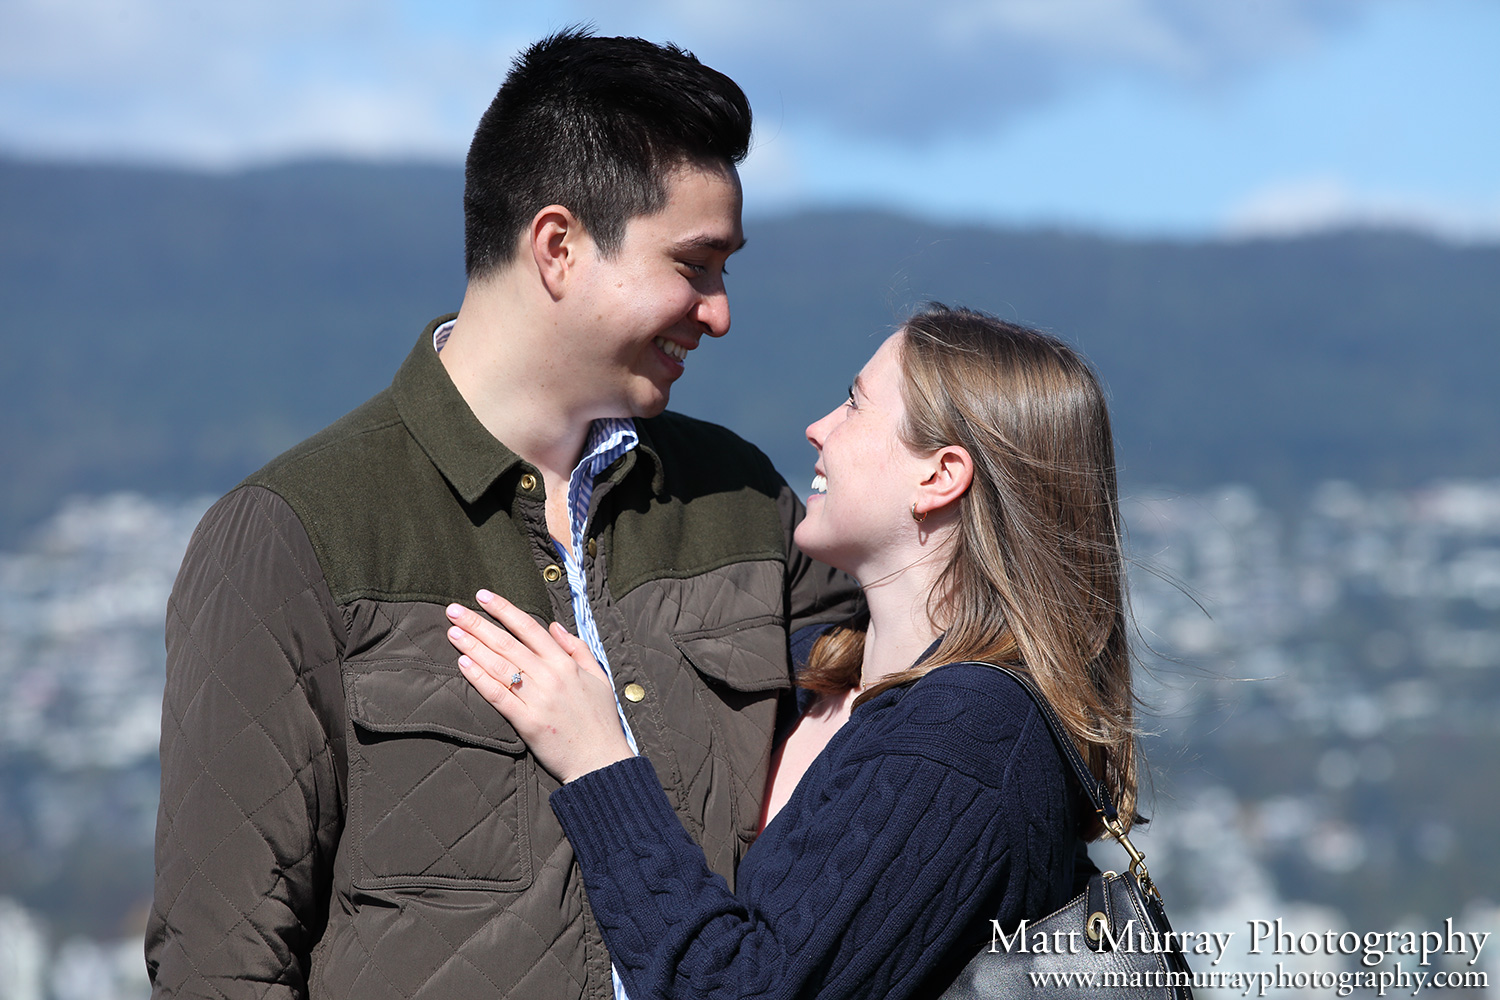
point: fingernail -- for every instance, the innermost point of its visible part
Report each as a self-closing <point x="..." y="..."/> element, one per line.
<point x="466" y="665"/>
<point x="455" y="611"/>
<point x="485" y="596"/>
<point x="455" y="633"/>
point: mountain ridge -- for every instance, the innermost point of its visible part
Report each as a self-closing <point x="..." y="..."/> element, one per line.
<point x="170" y="331"/>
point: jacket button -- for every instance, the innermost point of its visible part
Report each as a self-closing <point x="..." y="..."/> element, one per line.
<point x="593" y="548"/>
<point x="528" y="482"/>
<point x="634" y="692"/>
<point x="552" y="573"/>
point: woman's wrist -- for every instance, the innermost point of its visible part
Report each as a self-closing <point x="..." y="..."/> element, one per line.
<point x="596" y="762"/>
<point x="613" y="806"/>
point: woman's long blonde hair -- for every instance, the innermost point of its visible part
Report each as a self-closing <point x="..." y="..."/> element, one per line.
<point x="1035" y="574"/>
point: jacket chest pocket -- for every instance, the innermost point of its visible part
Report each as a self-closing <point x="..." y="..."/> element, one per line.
<point x="437" y="782"/>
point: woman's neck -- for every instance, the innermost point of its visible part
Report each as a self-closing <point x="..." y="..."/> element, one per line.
<point x="900" y="627"/>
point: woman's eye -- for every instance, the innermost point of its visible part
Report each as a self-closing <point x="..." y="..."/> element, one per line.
<point x="850" y="400"/>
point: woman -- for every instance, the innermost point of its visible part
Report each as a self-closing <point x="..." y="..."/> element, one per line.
<point x="968" y="483"/>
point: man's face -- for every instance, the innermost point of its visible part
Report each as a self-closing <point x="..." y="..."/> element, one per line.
<point x="644" y="308"/>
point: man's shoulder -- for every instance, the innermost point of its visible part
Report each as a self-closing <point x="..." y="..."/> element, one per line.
<point x="356" y="488"/>
<point x="694" y="448"/>
<point x="673" y="429"/>
<point x="717" y="502"/>
<point x="366" y="433"/>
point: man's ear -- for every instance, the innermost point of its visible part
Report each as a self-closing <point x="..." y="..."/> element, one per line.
<point x="555" y="239"/>
<point x="952" y="470"/>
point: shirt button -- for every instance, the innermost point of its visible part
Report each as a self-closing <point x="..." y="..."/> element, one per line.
<point x="552" y="573"/>
<point x="593" y="548"/>
<point x="528" y="482"/>
<point x="634" y="692"/>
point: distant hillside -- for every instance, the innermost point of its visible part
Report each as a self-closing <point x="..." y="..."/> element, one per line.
<point x="169" y="331"/>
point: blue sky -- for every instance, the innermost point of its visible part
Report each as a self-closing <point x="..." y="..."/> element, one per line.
<point x="1142" y="117"/>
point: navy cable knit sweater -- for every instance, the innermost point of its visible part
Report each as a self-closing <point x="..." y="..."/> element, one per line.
<point x="934" y="809"/>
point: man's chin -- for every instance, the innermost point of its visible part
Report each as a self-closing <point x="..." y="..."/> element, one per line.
<point x="651" y="406"/>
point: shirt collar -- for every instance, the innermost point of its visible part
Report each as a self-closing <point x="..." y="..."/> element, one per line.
<point x="608" y="439"/>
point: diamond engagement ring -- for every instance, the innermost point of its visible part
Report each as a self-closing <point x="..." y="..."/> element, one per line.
<point x="515" y="679"/>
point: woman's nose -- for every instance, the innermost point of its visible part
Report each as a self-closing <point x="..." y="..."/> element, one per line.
<point x="817" y="431"/>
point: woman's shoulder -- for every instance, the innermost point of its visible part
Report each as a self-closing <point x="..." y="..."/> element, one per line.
<point x="970" y="695"/>
<point x="969" y="716"/>
<point x="982" y="679"/>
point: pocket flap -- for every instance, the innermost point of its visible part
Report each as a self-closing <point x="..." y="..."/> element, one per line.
<point x="413" y="696"/>
<point x="746" y="656"/>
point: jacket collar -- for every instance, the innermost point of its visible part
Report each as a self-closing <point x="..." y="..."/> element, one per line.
<point x="439" y="418"/>
<point x="647" y="448"/>
<point x="467" y="455"/>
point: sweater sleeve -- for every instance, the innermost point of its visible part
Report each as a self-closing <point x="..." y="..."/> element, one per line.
<point x="872" y="876"/>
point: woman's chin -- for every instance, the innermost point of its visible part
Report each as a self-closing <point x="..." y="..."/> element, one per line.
<point x="815" y="546"/>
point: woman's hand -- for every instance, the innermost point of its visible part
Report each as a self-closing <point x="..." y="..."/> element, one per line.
<point x="562" y="705"/>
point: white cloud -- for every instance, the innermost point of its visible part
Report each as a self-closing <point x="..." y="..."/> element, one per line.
<point x="180" y="80"/>
<point x="773" y="175"/>
<point x="895" y="69"/>
<point x="1316" y="204"/>
<point x="231" y="82"/>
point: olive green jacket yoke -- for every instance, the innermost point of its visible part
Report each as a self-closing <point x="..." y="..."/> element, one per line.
<point x="342" y="815"/>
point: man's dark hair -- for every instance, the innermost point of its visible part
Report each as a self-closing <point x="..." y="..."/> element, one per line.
<point x="595" y="125"/>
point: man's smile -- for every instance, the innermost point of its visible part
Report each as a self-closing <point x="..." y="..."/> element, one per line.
<point x="672" y="349"/>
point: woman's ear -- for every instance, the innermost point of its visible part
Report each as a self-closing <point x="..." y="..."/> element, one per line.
<point x="554" y="239"/>
<point x="952" y="471"/>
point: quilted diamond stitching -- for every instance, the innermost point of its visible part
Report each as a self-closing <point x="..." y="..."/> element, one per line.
<point x="178" y="714"/>
<point x="400" y="813"/>
<point x="373" y="953"/>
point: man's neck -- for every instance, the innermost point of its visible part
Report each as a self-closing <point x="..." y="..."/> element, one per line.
<point x="498" y="362"/>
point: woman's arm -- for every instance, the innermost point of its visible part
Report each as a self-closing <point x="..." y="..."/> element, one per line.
<point x="858" y="890"/>
<point x="929" y="816"/>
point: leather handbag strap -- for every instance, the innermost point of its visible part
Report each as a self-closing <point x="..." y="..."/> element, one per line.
<point x="1095" y="789"/>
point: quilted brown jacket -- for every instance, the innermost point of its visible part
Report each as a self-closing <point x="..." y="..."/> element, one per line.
<point x="341" y="814"/>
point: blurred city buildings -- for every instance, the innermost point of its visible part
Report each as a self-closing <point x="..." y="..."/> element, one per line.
<point x="1322" y="689"/>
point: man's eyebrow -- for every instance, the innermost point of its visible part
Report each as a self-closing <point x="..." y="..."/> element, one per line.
<point x="715" y="243"/>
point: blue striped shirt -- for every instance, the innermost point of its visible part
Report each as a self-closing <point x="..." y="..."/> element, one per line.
<point x="608" y="439"/>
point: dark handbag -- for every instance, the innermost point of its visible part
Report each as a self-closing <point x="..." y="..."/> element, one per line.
<point x="1112" y="942"/>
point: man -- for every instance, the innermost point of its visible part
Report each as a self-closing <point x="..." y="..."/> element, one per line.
<point x="341" y="814"/>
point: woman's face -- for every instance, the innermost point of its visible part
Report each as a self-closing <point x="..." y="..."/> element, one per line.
<point x="865" y="479"/>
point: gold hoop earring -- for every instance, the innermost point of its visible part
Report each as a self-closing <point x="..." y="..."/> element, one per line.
<point x="919" y="518"/>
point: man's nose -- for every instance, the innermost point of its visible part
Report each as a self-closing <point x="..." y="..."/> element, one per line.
<point x="713" y="312"/>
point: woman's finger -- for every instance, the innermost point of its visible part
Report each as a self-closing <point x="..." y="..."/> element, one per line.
<point x="521" y="625"/>
<point x="497" y="665"/>
<point x="487" y="632"/>
<point x="507" y="700"/>
<point x="576" y="648"/>
<point x="495" y="652"/>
